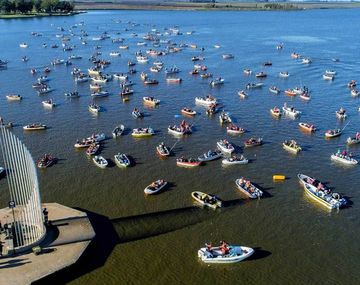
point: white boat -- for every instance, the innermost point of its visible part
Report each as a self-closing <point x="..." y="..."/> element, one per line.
<point x="291" y="112"/>
<point x="120" y="76"/>
<point x="210" y="155"/>
<point x="235" y="160"/>
<point x="206" y="200"/>
<point x="155" y="187"/>
<point x="142" y="59"/>
<point x="274" y="89"/>
<point x="74" y="94"/>
<point x="353" y="140"/>
<point x="114" y="53"/>
<point x="284" y="74"/>
<point x="34" y="127"/>
<point x="100" y="161"/>
<point x="117" y="131"/>
<point x="328" y="76"/>
<point x="306" y="60"/>
<point x="227" y="56"/>
<point x="354" y="92"/>
<point x="23" y="45"/>
<point x="234" y="130"/>
<point x="333" y="133"/>
<point x="248" y="188"/>
<point x="45" y="90"/>
<point x="48" y="103"/>
<point x="317" y="191"/>
<point x="224" y="118"/>
<point x="208" y="100"/>
<point x="94" y="108"/>
<point x="100" y="94"/>
<point x="122" y="160"/>
<point x="225" y="146"/>
<point x="13" y="97"/>
<point x="340" y="114"/>
<point x="236" y="253"/>
<point x="331" y="72"/>
<point x="254" y="85"/>
<point x="217" y="81"/>
<point x="137" y="114"/>
<point x="344" y="159"/>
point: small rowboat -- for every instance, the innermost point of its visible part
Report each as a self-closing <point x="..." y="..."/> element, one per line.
<point x="305" y="96"/>
<point x="100" y="161"/>
<point x="341" y="115"/>
<point x="354" y="93"/>
<point x="248" y="188"/>
<point x="13" y="97"/>
<point x="260" y="75"/>
<point x="217" y="81"/>
<point x="206" y="200"/>
<point x="247" y="71"/>
<point x="188" y="111"/>
<point x="179" y="131"/>
<point x="72" y="94"/>
<point x="151" y="101"/>
<point x="137" y="114"/>
<point x="225" y="147"/>
<point x="235" y="160"/>
<point x="227" y="56"/>
<point x="327" y="76"/>
<point x="333" y="133"/>
<point x="142" y="132"/>
<point x="251" y="142"/>
<point x="275" y="112"/>
<point x="291" y="112"/>
<point x="155" y="187"/>
<point x="274" y="89"/>
<point x="236" y="253"/>
<point x="151" y="81"/>
<point x="117" y="131"/>
<point x="45" y="161"/>
<point x="307" y="127"/>
<point x="34" y="127"/>
<point x="93" y="148"/>
<point x="163" y="150"/>
<point x="187" y="162"/>
<point x="206" y="75"/>
<point x="292" y="146"/>
<point x="234" y="130"/>
<point x="344" y="159"/>
<point x="254" y="85"/>
<point x="122" y="160"/>
<point x="210" y="155"/>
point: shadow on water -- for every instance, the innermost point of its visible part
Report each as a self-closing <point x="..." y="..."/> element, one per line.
<point x="259" y="254"/>
<point x="111" y="232"/>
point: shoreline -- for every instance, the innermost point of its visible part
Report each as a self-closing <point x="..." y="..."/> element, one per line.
<point x="227" y="6"/>
<point x="36" y="15"/>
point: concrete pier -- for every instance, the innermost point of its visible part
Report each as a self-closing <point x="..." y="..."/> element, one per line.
<point x="67" y="238"/>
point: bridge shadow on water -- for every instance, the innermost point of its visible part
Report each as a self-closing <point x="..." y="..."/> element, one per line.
<point x="111" y="232"/>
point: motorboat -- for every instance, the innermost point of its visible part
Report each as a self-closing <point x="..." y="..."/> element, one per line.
<point x="45" y="161"/>
<point x="183" y="129"/>
<point x="34" y="127"/>
<point x="227" y="56"/>
<point x="217" y="81"/>
<point x="151" y="101"/>
<point x="100" y="94"/>
<point x="100" y="161"/>
<point x="290" y="111"/>
<point x="254" y="85"/>
<point x="307" y="127"/>
<point x="48" y="103"/>
<point x="94" y="108"/>
<point x="234" y="130"/>
<point x="210" y="155"/>
<point x="275" y="112"/>
<point x="327" y="76"/>
<point x="353" y="140"/>
<point x="251" y="142"/>
<point x="188" y="112"/>
<point x="247" y="71"/>
<point x="261" y="74"/>
<point x="14" y="97"/>
<point x="245" y="186"/>
<point x="74" y="94"/>
<point x="118" y="131"/>
<point x="274" y="89"/>
<point x="163" y="150"/>
<point x="341" y="114"/>
<point x="122" y="160"/>
<point x="242" y="94"/>
<point x="284" y="74"/>
<point x="232" y="254"/>
<point x="344" y="158"/>
<point x="174" y="80"/>
<point x="142" y="132"/>
<point x="207" y="100"/>
<point x="333" y="133"/>
<point x="137" y="114"/>
<point x="225" y="147"/>
<point x="235" y="160"/>
<point x="292" y="146"/>
<point x="320" y="193"/>
<point x="155" y="187"/>
<point x="187" y="162"/>
<point x="224" y="117"/>
<point x="206" y="200"/>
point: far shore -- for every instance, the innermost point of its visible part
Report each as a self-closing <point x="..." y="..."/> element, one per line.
<point x="34" y="15"/>
<point x="230" y="6"/>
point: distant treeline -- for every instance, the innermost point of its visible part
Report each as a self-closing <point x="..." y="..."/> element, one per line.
<point x="35" y="6"/>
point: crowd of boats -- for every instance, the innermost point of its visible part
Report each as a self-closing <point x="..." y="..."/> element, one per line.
<point x="224" y="150"/>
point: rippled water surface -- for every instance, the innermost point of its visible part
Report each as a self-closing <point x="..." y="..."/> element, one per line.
<point x="298" y="242"/>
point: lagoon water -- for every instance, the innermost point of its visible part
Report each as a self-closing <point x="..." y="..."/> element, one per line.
<point x="297" y="241"/>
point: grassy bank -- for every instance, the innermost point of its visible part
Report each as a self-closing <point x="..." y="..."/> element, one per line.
<point x="33" y="15"/>
<point x="231" y="6"/>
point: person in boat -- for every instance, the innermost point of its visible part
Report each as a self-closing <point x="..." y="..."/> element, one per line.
<point x="344" y="153"/>
<point x="224" y="248"/>
<point x="208" y="247"/>
<point x="357" y="136"/>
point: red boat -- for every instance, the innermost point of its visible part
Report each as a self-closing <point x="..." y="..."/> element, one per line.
<point x="187" y="162"/>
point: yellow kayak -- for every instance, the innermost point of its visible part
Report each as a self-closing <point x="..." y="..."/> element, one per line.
<point x="279" y="177"/>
